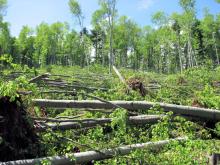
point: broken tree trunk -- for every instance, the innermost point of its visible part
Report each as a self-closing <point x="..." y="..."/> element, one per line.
<point x="84" y="123"/>
<point x="121" y="78"/>
<point x="209" y="114"/>
<point x="85" y="157"/>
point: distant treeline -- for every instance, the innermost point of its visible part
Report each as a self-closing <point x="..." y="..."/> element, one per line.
<point x="173" y="43"/>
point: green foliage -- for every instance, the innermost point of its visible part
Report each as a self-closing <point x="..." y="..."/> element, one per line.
<point x="119" y="120"/>
<point x="75" y="7"/>
<point x="177" y="153"/>
<point x="180" y="43"/>
<point x="208" y="98"/>
<point x="159" y="18"/>
<point x="10" y="88"/>
<point x="179" y="89"/>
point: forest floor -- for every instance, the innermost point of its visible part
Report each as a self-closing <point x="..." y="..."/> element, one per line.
<point x="197" y="87"/>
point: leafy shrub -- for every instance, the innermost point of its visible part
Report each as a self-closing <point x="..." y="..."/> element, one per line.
<point x="208" y="98"/>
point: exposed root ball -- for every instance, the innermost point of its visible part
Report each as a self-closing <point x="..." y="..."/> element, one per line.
<point x="136" y="84"/>
<point x="19" y="140"/>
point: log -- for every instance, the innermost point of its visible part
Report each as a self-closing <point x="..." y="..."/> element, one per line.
<point x="84" y="123"/>
<point x="59" y="92"/>
<point x="85" y="157"/>
<point x="24" y="92"/>
<point x="37" y="78"/>
<point x="209" y="114"/>
<point x="59" y="85"/>
<point x="56" y="83"/>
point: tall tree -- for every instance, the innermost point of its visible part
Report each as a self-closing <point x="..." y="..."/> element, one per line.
<point x="187" y="21"/>
<point x="25" y="44"/>
<point x="108" y="8"/>
<point x="76" y="10"/>
<point x="5" y="38"/>
<point x="3" y="4"/>
<point x="100" y="26"/>
<point x="42" y="44"/>
<point x="209" y="30"/>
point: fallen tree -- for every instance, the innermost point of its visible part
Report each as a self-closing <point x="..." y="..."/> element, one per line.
<point x="79" y="87"/>
<point x="59" y="92"/>
<point x="84" y="123"/>
<point x="38" y="78"/>
<point x="84" y="157"/>
<point x="209" y="114"/>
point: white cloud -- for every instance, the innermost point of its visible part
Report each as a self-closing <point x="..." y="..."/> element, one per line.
<point x="145" y="4"/>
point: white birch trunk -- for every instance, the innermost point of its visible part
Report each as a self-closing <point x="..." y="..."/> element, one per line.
<point x="85" y="157"/>
<point x="210" y="114"/>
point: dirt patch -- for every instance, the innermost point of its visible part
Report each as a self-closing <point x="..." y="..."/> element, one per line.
<point x="19" y="140"/>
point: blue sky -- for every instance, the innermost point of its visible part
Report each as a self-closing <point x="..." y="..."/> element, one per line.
<point x="33" y="12"/>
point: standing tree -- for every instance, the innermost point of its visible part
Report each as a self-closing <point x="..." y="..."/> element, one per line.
<point x="187" y="22"/>
<point x="3" y="4"/>
<point x="76" y="10"/>
<point x="100" y="27"/>
<point x="209" y="29"/>
<point x="108" y="8"/>
<point x="177" y="30"/>
<point x="25" y="44"/>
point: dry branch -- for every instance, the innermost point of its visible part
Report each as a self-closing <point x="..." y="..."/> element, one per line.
<point x="84" y="157"/>
<point x="210" y="114"/>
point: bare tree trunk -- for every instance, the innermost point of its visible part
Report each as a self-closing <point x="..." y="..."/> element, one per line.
<point x="121" y="78"/>
<point x="84" y="123"/>
<point x="111" y="14"/>
<point x="210" y="114"/>
<point x="85" y="157"/>
<point x="216" y="50"/>
<point x="180" y="54"/>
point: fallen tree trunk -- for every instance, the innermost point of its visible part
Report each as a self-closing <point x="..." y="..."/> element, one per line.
<point x="59" y="92"/>
<point x="38" y="78"/>
<point x="209" y="114"/>
<point x="84" y="157"/>
<point x="84" y="123"/>
<point x="75" y="86"/>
